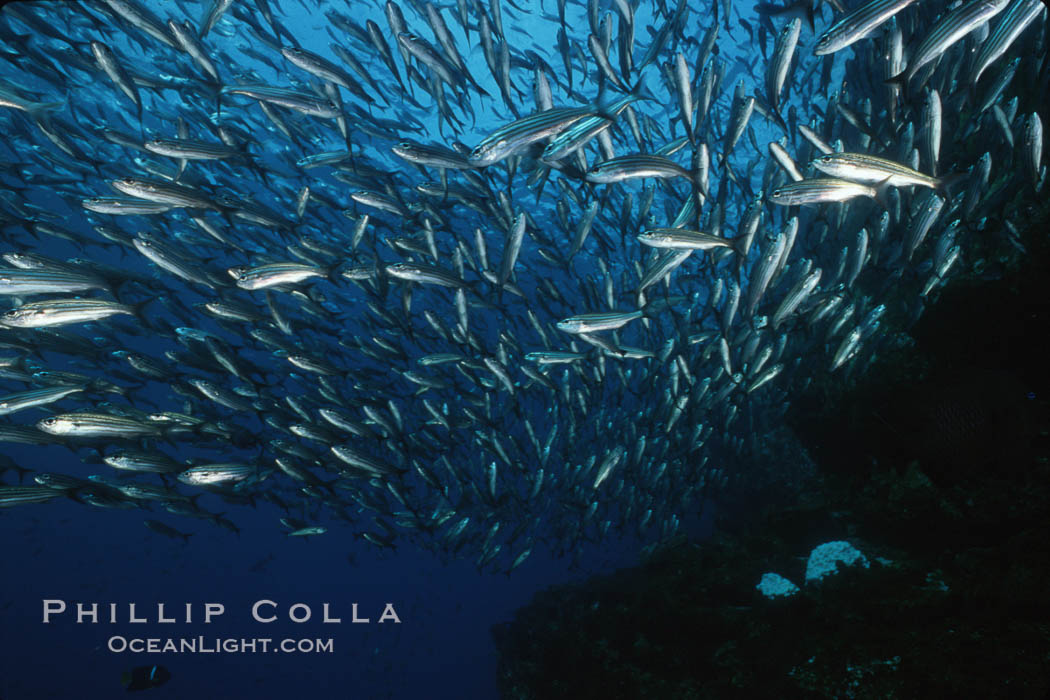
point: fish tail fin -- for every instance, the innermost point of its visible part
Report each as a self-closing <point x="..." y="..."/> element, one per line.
<point x="639" y="91"/>
<point x="945" y="182"/>
<point x="737" y="246"/>
<point x="350" y="147"/>
<point x="899" y="81"/>
<point x="139" y="310"/>
<point x="743" y="184"/>
<point x="335" y="272"/>
<point x="43" y="109"/>
<point x="242" y="150"/>
<point x="542" y="184"/>
<point x="779" y="119"/>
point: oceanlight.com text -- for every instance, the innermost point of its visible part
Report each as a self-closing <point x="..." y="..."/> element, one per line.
<point x="218" y="645"/>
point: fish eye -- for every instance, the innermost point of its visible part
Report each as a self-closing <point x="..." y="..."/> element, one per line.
<point x="826" y="159"/>
<point x="776" y="193"/>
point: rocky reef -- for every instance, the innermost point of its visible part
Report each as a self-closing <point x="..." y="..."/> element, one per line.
<point x="934" y="465"/>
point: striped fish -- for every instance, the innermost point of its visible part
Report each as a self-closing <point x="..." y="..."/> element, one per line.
<point x="45" y="281"/>
<point x="273" y="274"/>
<point x="818" y="190"/>
<point x="216" y="474"/>
<point x="122" y="206"/>
<point x="12" y="403"/>
<point x="163" y="193"/>
<point x="857" y="24"/>
<point x="683" y="239"/>
<point x="634" y="166"/>
<point x="59" y="312"/>
<point x="1032" y="148"/>
<point x="862" y="167"/>
<point x="283" y="97"/>
<point x="1015" y="19"/>
<point x="780" y="62"/>
<point x="90" y="424"/>
<point x="21" y="495"/>
<point x="953" y="27"/>
<point x="598" y="321"/>
<point x="520" y="133"/>
<point x="190" y="149"/>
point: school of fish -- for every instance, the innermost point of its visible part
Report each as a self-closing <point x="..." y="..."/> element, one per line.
<point x="482" y="276"/>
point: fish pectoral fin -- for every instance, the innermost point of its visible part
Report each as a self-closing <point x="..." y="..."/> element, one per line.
<point x="880" y="193"/>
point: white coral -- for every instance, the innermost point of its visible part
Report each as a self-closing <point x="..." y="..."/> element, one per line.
<point x="824" y="558"/>
<point x="776" y="586"/>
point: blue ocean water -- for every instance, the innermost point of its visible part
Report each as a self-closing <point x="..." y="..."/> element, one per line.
<point x="442" y="647"/>
<point x="694" y="414"/>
